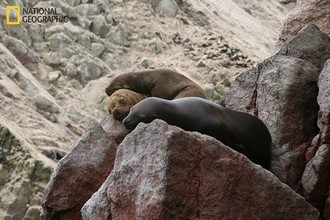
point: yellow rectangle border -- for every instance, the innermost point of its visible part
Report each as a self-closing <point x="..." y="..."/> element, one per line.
<point x="8" y="9"/>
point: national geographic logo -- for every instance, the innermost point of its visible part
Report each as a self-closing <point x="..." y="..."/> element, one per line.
<point x="33" y="15"/>
<point x="11" y="11"/>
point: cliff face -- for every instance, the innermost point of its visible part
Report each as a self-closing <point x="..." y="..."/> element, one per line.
<point x="161" y="171"/>
<point x="53" y="75"/>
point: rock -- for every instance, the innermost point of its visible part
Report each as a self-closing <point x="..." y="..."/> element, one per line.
<point x="44" y="104"/>
<point x="53" y="59"/>
<point x="307" y="11"/>
<point x="89" y="70"/>
<point x="54" y="75"/>
<point x="309" y="44"/>
<point x="76" y="2"/>
<point x="37" y="32"/>
<point x="71" y="71"/>
<point x="166" y="8"/>
<point x="201" y="63"/>
<point x="97" y="49"/>
<point x="54" y="29"/>
<point x="99" y="26"/>
<point x="60" y="43"/>
<point x="86" y="10"/>
<point x="85" y="40"/>
<point x="118" y="35"/>
<point x="208" y="89"/>
<point x="94" y="96"/>
<point x="53" y="153"/>
<point x="79" y="174"/>
<point x="323" y="100"/>
<point x="315" y="181"/>
<point x="163" y="172"/>
<point x="273" y="92"/>
<point x="20" y="33"/>
<point x="158" y="46"/>
<point x="316" y="178"/>
<point x="22" y="177"/>
<point x="147" y="63"/>
<point x="177" y="38"/>
<point x="20" y="50"/>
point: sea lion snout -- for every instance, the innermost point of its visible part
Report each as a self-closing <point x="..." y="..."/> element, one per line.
<point x="129" y="124"/>
<point x="120" y="113"/>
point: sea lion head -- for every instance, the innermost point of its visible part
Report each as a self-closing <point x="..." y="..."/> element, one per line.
<point x="121" y="102"/>
<point x="141" y="112"/>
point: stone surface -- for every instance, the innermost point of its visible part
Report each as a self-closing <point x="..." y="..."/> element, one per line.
<point x="309" y="44"/>
<point x="20" y="50"/>
<point x="16" y="190"/>
<point x="80" y="173"/>
<point x="315" y="179"/>
<point x="167" y="8"/>
<point x="273" y="92"/>
<point x="163" y="172"/>
<point x="99" y="26"/>
<point x="307" y="11"/>
<point x="323" y="100"/>
<point x="83" y="56"/>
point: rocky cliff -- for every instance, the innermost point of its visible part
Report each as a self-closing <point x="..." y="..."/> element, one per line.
<point x="52" y="77"/>
<point x="163" y="172"/>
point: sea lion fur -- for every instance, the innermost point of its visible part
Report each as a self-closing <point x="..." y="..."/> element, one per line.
<point x="121" y="101"/>
<point x="163" y="83"/>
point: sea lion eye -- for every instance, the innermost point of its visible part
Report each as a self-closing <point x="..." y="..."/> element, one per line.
<point x="122" y="101"/>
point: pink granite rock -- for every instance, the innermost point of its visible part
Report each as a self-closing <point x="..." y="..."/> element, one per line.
<point x="309" y="44"/>
<point x="82" y="171"/>
<point x="163" y="172"/>
<point x="307" y="11"/>
<point x="282" y="92"/>
<point x="316" y="179"/>
<point x="323" y="100"/>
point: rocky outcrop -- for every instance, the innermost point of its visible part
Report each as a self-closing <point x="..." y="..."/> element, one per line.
<point x="21" y="175"/>
<point x="323" y="100"/>
<point x="272" y="92"/>
<point x="292" y="98"/>
<point x="163" y="172"/>
<point x="81" y="172"/>
<point x="316" y="178"/>
<point x="52" y="75"/>
<point x="306" y="11"/>
<point x="309" y="44"/>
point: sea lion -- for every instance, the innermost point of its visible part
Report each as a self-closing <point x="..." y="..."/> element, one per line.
<point x="121" y="101"/>
<point x="163" y="83"/>
<point x="241" y="131"/>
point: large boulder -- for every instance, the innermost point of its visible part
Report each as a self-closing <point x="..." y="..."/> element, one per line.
<point x="323" y="100"/>
<point x="163" y="172"/>
<point x="316" y="178"/>
<point x="309" y="44"/>
<point x="282" y="92"/>
<point x="82" y="171"/>
<point x="304" y="12"/>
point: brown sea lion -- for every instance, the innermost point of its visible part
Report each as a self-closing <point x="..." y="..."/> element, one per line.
<point x="163" y="83"/>
<point x="241" y="131"/>
<point x="121" y="101"/>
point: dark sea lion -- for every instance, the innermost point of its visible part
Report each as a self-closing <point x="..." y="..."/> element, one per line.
<point x="242" y="132"/>
<point x="163" y="83"/>
<point x="121" y="101"/>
